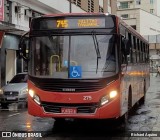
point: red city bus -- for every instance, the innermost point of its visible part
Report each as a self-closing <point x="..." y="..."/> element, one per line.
<point x="90" y="66"/>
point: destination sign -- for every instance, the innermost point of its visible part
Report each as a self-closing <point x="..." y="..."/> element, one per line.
<point x="80" y="23"/>
<point x="69" y="23"/>
<point x="89" y="23"/>
<point x="50" y="23"/>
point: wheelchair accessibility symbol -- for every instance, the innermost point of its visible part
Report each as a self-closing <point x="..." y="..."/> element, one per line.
<point x="75" y="72"/>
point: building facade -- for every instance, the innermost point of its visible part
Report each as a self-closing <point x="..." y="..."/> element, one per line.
<point x="144" y="16"/>
<point x="103" y="6"/>
<point x="16" y="17"/>
<point x="138" y="19"/>
<point x="137" y="13"/>
<point x="150" y="6"/>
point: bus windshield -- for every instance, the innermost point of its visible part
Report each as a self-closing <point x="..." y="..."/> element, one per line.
<point x="54" y="56"/>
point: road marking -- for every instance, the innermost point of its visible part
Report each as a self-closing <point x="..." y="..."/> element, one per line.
<point x="13" y="114"/>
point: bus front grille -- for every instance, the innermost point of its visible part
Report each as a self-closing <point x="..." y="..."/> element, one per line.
<point x="70" y="85"/>
<point x="81" y="108"/>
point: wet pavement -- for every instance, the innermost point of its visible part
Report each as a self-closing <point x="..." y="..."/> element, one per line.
<point x="147" y="116"/>
<point x="143" y="118"/>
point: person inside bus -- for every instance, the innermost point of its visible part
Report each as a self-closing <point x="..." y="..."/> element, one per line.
<point x="110" y="63"/>
<point x="158" y="71"/>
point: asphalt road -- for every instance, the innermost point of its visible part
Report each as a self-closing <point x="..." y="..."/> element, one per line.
<point x="143" y="118"/>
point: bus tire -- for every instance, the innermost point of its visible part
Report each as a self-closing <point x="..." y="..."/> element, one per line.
<point x="129" y="99"/>
<point x="59" y="122"/>
<point x="129" y="105"/>
<point x="142" y="100"/>
<point x="124" y="118"/>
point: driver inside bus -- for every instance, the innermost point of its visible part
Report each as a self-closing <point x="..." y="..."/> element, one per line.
<point x="110" y="63"/>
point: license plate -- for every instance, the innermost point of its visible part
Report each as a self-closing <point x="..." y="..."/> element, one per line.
<point x="69" y="110"/>
<point x="11" y="98"/>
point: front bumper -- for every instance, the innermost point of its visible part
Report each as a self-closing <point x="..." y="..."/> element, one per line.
<point x="80" y="105"/>
<point x="13" y="99"/>
<point x="111" y="110"/>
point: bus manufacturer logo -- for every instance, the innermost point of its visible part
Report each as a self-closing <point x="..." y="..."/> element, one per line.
<point x="69" y="89"/>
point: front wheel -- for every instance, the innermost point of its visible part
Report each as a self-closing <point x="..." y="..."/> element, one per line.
<point x="59" y="121"/>
<point x="142" y="100"/>
<point x="125" y="117"/>
<point x="59" y="124"/>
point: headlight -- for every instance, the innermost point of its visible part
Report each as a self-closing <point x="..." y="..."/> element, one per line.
<point x="34" y="96"/>
<point x="1" y="91"/>
<point x="107" y="98"/>
<point x="113" y="94"/>
<point x="104" y="100"/>
<point x="31" y="93"/>
<point x="37" y="99"/>
<point x="24" y="91"/>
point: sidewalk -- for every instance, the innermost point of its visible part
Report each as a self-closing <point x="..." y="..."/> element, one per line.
<point x="147" y="116"/>
<point x="153" y="100"/>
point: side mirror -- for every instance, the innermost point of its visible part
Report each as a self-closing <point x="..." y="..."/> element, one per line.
<point x="23" y="47"/>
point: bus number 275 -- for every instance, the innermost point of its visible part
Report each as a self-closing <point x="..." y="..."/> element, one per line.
<point x="87" y="98"/>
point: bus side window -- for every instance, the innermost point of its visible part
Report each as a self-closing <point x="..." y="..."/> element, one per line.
<point x="134" y="51"/>
<point x="129" y="56"/>
<point x="123" y="55"/>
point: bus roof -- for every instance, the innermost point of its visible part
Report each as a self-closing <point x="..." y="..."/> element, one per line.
<point x="71" y="21"/>
<point x="132" y="30"/>
<point x="74" y="14"/>
<point x="128" y="27"/>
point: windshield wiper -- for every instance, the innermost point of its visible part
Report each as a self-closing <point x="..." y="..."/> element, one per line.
<point x="96" y="48"/>
<point x="96" y="44"/>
